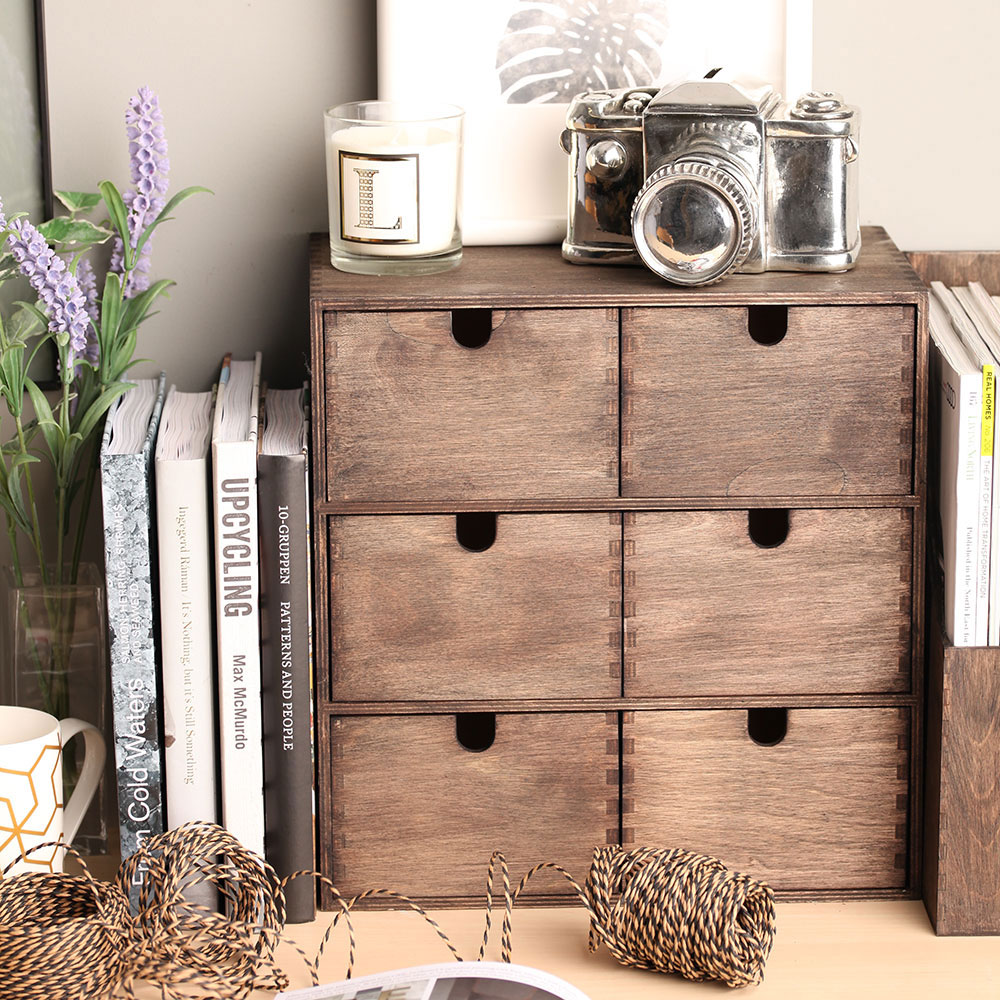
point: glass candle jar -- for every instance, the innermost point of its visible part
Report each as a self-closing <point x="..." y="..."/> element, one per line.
<point x="394" y="181"/>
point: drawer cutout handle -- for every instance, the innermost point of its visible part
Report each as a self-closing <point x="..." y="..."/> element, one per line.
<point x="471" y="328"/>
<point x="767" y="325"/>
<point x="476" y="731"/>
<point x="476" y="531"/>
<point x="767" y="727"/>
<point x="767" y="526"/>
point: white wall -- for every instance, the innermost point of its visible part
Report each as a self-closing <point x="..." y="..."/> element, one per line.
<point x="926" y="76"/>
<point x="242" y="85"/>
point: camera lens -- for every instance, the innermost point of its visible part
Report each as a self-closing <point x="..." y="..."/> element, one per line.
<point x="692" y="223"/>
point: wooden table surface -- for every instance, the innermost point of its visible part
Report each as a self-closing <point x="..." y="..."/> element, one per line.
<point x="880" y="950"/>
<point x="822" y="950"/>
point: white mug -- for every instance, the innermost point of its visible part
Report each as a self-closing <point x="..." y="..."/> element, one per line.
<point x="31" y="788"/>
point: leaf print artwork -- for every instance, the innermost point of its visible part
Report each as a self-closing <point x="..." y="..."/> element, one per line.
<point x="551" y="51"/>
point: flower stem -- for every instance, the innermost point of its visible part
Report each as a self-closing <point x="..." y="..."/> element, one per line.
<point x="85" y="501"/>
<point x="36" y="541"/>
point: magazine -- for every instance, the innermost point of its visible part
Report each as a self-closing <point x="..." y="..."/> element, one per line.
<point x="450" y="981"/>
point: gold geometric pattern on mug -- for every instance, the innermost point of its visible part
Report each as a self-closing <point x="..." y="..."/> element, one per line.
<point x="18" y="828"/>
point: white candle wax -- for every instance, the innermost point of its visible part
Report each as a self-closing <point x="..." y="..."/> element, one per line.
<point x="393" y="189"/>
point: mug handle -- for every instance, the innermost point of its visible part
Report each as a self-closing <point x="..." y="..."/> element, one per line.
<point x="90" y="776"/>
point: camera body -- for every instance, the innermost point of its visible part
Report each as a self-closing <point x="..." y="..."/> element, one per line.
<point x="702" y="178"/>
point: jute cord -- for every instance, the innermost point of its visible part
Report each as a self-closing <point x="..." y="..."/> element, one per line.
<point x="65" y="937"/>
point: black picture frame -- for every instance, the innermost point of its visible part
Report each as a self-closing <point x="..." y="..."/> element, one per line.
<point x="42" y="82"/>
<point x="27" y="165"/>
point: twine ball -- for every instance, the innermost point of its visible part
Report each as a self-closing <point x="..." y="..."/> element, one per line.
<point x="677" y="912"/>
<point x="61" y="936"/>
<point x="65" y="937"/>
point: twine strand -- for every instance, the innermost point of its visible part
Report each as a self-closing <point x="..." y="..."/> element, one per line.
<point x="63" y="937"/>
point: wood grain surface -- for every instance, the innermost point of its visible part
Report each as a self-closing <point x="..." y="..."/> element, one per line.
<point x="962" y="861"/>
<point x="415" y="615"/>
<point x="827" y="422"/>
<point x="707" y="411"/>
<point x="713" y="613"/>
<point x="416" y="812"/>
<point x="529" y="276"/>
<point x="532" y="413"/>
<point x="958" y="267"/>
<point x="882" y="950"/>
<point x="826" y="807"/>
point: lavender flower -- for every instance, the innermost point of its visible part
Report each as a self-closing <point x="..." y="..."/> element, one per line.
<point x="57" y="289"/>
<point x="149" y="168"/>
<point x="87" y="281"/>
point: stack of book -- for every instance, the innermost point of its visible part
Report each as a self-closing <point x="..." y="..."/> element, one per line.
<point x="965" y="361"/>
<point x="206" y="532"/>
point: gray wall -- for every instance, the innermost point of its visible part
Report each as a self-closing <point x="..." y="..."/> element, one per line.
<point x="242" y="85"/>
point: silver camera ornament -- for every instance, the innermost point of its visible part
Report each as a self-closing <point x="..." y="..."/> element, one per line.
<point x="702" y="178"/>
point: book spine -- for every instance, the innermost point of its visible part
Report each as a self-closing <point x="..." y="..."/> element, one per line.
<point x="238" y="640"/>
<point x="985" y="496"/>
<point x="993" y="630"/>
<point x="187" y="640"/>
<point x="132" y="626"/>
<point x="286" y="669"/>
<point x="967" y="503"/>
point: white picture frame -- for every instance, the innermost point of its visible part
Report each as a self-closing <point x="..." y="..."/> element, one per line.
<point x="501" y="61"/>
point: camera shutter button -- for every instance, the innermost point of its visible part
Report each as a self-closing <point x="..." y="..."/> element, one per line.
<point x="825" y="105"/>
<point x="606" y="159"/>
<point x="692" y="223"/>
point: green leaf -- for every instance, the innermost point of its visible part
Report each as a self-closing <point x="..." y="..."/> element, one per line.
<point x="136" y="309"/>
<point x="111" y="309"/>
<point x="100" y="406"/>
<point x="119" y="218"/>
<point x="76" y="231"/>
<point x="12" y="373"/>
<point x="18" y="506"/>
<point x="35" y="311"/>
<point x="46" y="422"/>
<point x="24" y="458"/>
<point x="11" y="510"/>
<point x="164" y="216"/>
<point x="78" y="201"/>
<point x="24" y="324"/>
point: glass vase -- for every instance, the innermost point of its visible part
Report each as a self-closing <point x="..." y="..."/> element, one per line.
<point x="60" y="666"/>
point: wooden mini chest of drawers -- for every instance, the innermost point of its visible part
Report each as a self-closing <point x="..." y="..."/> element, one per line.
<point x="601" y="560"/>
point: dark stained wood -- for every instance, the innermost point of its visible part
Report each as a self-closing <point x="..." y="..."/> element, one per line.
<point x="537" y="276"/>
<point x="958" y="267"/>
<point x="825" y="611"/>
<point x="415" y="615"/>
<point x="825" y="808"/>
<point x="962" y="807"/>
<point x="531" y="429"/>
<point x="414" y="811"/>
<point x="452" y="705"/>
<point x="707" y="411"/>
<point x="532" y="413"/>
<point x="584" y="504"/>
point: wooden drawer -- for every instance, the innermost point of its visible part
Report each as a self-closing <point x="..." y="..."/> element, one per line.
<point x="826" y="410"/>
<point x="716" y="607"/>
<point x="824" y="808"/>
<point x="416" y="614"/>
<point x="415" y="811"/>
<point x="412" y="413"/>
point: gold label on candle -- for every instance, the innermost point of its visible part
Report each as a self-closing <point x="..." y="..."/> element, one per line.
<point x="379" y="197"/>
